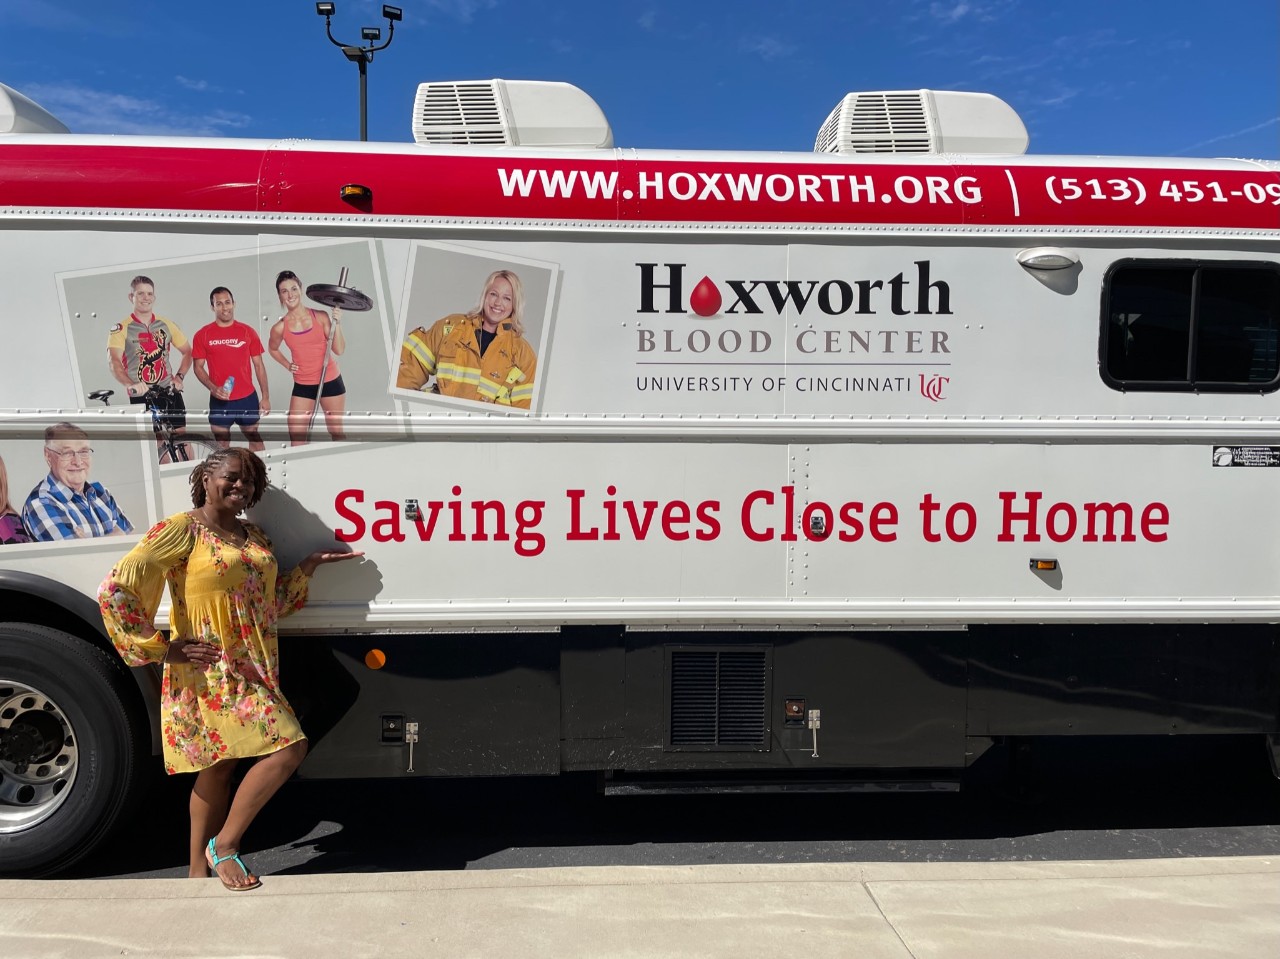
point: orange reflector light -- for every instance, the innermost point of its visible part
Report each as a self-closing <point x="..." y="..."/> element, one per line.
<point x="375" y="659"/>
<point x="355" y="191"/>
<point x="1040" y="565"/>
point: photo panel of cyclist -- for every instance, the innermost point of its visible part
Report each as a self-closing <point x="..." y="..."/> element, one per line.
<point x="186" y="342"/>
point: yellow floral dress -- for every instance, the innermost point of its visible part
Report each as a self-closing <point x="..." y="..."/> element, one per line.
<point x="222" y="594"/>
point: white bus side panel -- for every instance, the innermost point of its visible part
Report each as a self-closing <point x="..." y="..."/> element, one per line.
<point x="721" y="390"/>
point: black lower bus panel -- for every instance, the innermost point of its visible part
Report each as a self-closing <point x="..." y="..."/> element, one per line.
<point x="761" y="709"/>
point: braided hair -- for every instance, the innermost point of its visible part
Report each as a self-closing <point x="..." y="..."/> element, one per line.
<point x="249" y="463"/>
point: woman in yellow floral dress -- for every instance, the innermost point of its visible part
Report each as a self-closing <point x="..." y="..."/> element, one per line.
<point x="220" y="696"/>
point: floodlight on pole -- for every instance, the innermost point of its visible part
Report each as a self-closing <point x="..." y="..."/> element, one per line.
<point x="362" y="56"/>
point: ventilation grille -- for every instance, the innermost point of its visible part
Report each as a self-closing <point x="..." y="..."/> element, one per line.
<point x="719" y="698"/>
<point x="877" y="123"/>
<point x="462" y="113"/>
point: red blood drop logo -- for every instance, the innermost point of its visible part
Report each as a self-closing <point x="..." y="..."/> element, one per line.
<point x="705" y="299"/>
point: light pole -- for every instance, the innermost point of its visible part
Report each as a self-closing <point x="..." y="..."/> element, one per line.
<point x="362" y="56"/>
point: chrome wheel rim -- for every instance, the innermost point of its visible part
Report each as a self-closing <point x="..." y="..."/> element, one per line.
<point x="39" y="756"/>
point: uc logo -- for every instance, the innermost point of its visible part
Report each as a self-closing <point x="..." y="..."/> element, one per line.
<point x="931" y="389"/>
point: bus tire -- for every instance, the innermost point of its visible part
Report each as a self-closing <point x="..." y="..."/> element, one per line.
<point x="72" y="743"/>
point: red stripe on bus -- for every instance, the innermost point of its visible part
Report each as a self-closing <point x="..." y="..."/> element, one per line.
<point x="625" y="190"/>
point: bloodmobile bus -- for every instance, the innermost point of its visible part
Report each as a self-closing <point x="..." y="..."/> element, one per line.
<point x="806" y="470"/>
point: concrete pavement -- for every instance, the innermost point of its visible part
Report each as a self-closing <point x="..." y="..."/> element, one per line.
<point x="1170" y="908"/>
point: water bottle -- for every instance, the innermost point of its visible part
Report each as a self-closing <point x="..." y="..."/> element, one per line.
<point x="229" y="382"/>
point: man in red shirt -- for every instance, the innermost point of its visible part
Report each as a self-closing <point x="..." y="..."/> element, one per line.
<point x="224" y="351"/>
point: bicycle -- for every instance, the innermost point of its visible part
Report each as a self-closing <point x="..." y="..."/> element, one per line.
<point x="176" y="446"/>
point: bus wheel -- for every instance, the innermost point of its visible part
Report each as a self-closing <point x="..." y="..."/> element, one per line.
<point x="71" y="745"/>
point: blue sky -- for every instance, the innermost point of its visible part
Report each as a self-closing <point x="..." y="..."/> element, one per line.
<point x="1114" y="77"/>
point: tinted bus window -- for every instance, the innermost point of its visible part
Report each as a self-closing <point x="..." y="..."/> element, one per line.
<point x="1191" y="326"/>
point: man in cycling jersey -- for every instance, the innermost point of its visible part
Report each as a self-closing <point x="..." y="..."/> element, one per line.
<point x="139" y="350"/>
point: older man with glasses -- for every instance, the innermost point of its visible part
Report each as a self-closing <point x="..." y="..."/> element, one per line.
<point x="66" y="505"/>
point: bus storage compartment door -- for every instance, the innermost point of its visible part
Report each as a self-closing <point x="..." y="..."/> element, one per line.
<point x="870" y="698"/>
<point x="486" y="704"/>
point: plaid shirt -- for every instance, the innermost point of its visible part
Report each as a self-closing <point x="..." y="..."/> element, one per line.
<point x="54" y="511"/>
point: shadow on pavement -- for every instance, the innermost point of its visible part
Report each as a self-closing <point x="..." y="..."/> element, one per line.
<point x="1083" y="799"/>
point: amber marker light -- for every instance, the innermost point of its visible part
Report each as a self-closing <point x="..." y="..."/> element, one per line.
<point x="352" y="192"/>
<point x="1044" y="565"/>
<point x="375" y="659"/>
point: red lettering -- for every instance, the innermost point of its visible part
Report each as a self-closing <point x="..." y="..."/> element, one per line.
<point x="928" y="507"/>
<point x="884" y="516"/>
<point x="427" y="530"/>
<point x="707" y="510"/>
<point x="849" y="517"/>
<point x="482" y="508"/>
<point x="611" y="533"/>
<point x="789" y="510"/>
<point x="1103" y="522"/>
<point x="970" y="520"/>
<point x="763" y="496"/>
<point x="1156" y="514"/>
<point x="675" y="513"/>
<point x="640" y="526"/>
<point x="1109" y="510"/>
<point x="350" y="515"/>
<point x="456" y="535"/>
<point x="387" y="529"/>
<point x="576" y="532"/>
<point x="1011" y="516"/>
<point x="528" y="515"/>
<point x="1051" y="522"/>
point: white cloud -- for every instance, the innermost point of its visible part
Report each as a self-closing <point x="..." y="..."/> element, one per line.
<point x="463" y="10"/>
<point x="1080" y="43"/>
<point x="1229" y="136"/>
<point x="997" y="67"/>
<point x="200" y="86"/>
<point x="1059" y="98"/>
<point x="768" y="48"/>
<point x="953" y="11"/>
<point x="648" y="19"/>
<point x="88" y="110"/>
<point x="949" y="13"/>
<point x="44" y="15"/>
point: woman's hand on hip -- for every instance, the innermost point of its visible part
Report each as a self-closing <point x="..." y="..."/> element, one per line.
<point x="193" y="651"/>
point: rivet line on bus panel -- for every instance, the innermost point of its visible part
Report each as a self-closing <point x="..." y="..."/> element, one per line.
<point x="604" y="227"/>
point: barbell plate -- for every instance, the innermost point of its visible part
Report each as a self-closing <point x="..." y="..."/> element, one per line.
<point x="343" y="297"/>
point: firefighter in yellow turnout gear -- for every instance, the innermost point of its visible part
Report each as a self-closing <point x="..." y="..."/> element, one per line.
<point x="481" y="355"/>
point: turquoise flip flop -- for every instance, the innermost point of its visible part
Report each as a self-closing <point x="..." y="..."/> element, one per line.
<point x="211" y="854"/>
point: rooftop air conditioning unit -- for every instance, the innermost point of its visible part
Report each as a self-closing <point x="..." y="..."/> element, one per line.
<point x="531" y="113"/>
<point x="922" y="121"/>
<point x="21" y="115"/>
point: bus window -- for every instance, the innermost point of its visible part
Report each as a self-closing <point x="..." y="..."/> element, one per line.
<point x="1209" y="327"/>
